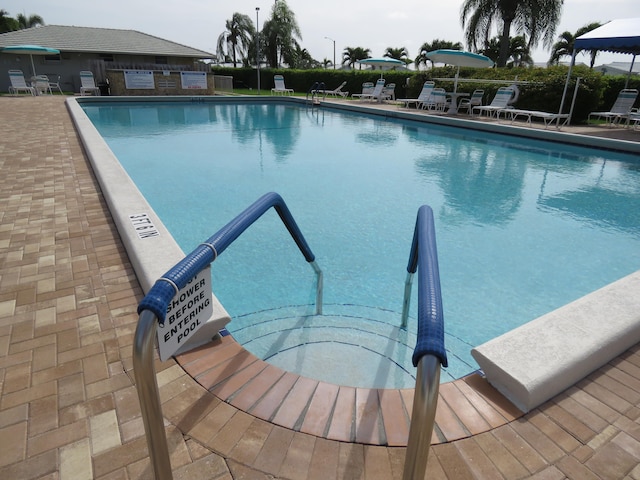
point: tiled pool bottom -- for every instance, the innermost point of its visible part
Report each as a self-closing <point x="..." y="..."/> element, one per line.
<point x="348" y="345"/>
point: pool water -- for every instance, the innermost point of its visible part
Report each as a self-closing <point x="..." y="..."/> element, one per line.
<point x="523" y="227"/>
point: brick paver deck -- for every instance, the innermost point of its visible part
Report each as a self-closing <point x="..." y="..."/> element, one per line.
<point x="69" y="408"/>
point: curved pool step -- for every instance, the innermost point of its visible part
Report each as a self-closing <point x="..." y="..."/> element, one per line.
<point x="351" y="345"/>
<point x="363" y="415"/>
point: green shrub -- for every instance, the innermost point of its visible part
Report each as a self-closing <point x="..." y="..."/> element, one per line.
<point x="543" y="91"/>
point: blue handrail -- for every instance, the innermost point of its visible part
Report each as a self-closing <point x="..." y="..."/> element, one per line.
<point x="424" y="258"/>
<point x="430" y="352"/>
<point x="159" y="296"/>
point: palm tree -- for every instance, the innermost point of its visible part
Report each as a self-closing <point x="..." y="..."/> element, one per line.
<point x="399" y="54"/>
<point x="564" y="46"/>
<point x="279" y="34"/>
<point x="430" y="47"/>
<point x="519" y="53"/>
<point x="236" y="39"/>
<point x="29" y="22"/>
<point x="326" y="63"/>
<point x="537" y="19"/>
<point x="351" y="55"/>
<point x="7" y="24"/>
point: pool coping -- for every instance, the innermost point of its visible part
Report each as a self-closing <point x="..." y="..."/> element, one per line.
<point x="147" y="267"/>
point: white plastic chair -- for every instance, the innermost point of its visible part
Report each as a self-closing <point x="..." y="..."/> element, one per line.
<point x="18" y="83"/>
<point x="279" y="87"/>
<point x="474" y="101"/>
<point x="425" y="93"/>
<point x="88" y="85"/>
<point x="499" y="102"/>
<point x="437" y="101"/>
<point x="376" y="94"/>
<point x="621" y="108"/>
<point x="55" y="84"/>
<point x="41" y="84"/>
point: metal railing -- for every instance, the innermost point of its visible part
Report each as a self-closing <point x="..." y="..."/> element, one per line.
<point x="152" y="310"/>
<point x="316" y="89"/>
<point x="430" y="352"/>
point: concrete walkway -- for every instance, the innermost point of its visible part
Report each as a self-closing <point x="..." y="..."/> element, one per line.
<point x="69" y="408"/>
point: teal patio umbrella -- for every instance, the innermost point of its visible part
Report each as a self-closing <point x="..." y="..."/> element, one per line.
<point x="30" y="50"/>
<point x="459" y="59"/>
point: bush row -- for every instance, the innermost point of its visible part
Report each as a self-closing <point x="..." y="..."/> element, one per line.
<point x="542" y="91"/>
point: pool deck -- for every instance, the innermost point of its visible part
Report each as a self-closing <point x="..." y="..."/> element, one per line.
<point x="69" y="408"/>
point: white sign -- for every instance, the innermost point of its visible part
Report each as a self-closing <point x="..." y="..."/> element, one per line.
<point x="139" y="79"/>
<point x="143" y="226"/>
<point x="193" y="80"/>
<point x="186" y="313"/>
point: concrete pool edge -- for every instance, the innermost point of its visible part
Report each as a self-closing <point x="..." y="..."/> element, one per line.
<point x="421" y="117"/>
<point x="151" y="256"/>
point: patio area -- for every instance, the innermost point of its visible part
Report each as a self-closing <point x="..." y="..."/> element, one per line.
<point x="69" y="407"/>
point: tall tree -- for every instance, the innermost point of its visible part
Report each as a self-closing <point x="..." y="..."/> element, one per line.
<point x="437" y="44"/>
<point x="535" y="19"/>
<point x="7" y="24"/>
<point x="234" y="42"/>
<point x="279" y="34"/>
<point x="29" y="22"/>
<point x="564" y="46"/>
<point x="400" y="53"/>
<point x="352" y="54"/>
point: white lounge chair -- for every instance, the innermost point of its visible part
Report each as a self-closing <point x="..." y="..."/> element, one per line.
<point x="474" y="101"/>
<point x="425" y="93"/>
<point x="367" y="89"/>
<point x="548" y="118"/>
<point x="376" y="94"/>
<point x="437" y="101"/>
<point x="87" y="84"/>
<point x="500" y="102"/>
<point x="336" y="92"/>
<point x="19" y="84"/>
<point x="280" y="88"/>
<point x="620" y="109"/>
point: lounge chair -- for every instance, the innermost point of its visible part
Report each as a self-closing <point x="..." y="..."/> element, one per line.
<point x="437" y="101"/>
<point x="620" y="109"/>
<point x="376" y="94"/>
<point x="18" y="83"/>
<point x="500" y="102"/>
<point x="548" y="118"/>
<point x="474" y="101"/>
<point x="425" y="93"/>
<point x="336" y="92"/>
<point x="87" y="84"/>
<point x="367" y="89"/>
<point x="280" y="88"/>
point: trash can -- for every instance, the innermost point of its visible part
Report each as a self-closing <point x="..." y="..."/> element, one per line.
<point x="104" y="88"/>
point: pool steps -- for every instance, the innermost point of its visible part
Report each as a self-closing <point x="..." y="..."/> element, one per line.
<point x="532" y="363"/>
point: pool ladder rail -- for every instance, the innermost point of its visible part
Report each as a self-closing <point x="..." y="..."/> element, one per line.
<point x="428" y="355"/>
<point x="314" y="91"/>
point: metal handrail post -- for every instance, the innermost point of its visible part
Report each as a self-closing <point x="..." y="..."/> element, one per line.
<point x="425" y="401"/>
<point x="147" y="386"/>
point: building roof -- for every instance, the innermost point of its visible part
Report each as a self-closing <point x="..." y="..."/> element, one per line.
<point x="99" y="40"/>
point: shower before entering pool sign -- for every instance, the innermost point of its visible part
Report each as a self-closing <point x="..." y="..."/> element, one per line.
<point x="189" y="309"/>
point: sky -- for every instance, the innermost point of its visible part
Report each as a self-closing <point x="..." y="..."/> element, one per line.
<point x="372" y="24"/>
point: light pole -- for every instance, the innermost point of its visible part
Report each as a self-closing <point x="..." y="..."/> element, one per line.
<point x="258" y="46"/>
<point x="334" y="51"/>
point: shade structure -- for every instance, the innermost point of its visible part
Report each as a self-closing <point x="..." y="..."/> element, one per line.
<point x="30" y="50"/>
<point x="382" y="62"/>
<point x="459" y="58"/>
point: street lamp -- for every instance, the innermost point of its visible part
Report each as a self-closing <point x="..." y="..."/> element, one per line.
<point x="334" y="51"/>
<point x="258" y="46"/>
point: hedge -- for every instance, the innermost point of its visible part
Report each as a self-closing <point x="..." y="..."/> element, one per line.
<point x="543" y="91"/>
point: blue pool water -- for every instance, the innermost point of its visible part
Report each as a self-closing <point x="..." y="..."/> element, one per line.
<point x="523" y="227"/>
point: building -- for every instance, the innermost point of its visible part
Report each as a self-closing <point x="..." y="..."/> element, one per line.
<point x="96" y="49"/>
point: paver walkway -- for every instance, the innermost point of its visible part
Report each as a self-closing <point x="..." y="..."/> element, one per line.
<point x="68" y="405"/>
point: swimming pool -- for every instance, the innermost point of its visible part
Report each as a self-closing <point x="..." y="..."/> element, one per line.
<point x="520" y="231"/>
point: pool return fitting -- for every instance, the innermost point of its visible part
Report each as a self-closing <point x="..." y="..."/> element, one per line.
<point x="428" y="356"/>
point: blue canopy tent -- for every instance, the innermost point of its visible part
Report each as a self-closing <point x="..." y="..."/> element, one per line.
<point x="617" y="36"/>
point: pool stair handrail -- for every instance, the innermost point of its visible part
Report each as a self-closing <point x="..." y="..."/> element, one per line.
<point x="316" y="89"/>
<point x="430" y="353"/>
<point x="152" y="310"/>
